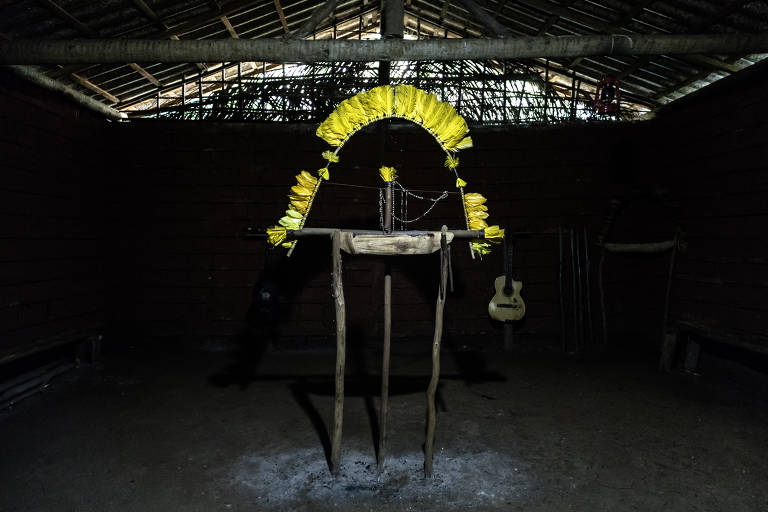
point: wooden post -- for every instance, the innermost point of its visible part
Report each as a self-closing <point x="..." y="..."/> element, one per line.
<point x="431" y="412"/>
<point x="387" y="334"/>
<point x="385" y="367"/>
<point x="341" y="346"/>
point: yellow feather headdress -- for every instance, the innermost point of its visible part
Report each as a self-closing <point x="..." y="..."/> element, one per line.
<point x="402" y="101"/>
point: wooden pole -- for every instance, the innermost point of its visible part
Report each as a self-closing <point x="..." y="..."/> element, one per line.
<point x="308" y="232"/>
<point x="40" y="51"/>
<point x="341" y="347"/>
<point x="38" y="78"/>
<point x="387" y="334"/>
<point x="385" y="367"/>
<point x="432" y="389"/>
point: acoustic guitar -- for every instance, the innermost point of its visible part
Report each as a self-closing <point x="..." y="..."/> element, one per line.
<point x="507" y="305"/>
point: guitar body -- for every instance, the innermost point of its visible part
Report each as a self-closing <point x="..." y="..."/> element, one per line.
<point x="506" y="307"/>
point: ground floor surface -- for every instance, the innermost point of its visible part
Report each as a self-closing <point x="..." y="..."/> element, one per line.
<point x="206" y="429"/>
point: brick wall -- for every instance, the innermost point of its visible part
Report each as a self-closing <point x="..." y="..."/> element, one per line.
<point x="717" y="156"/>
<point x="50" y="253"/>
<point x="185" y="191"/>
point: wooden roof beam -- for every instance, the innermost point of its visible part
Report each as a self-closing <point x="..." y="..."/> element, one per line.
<point x="281" y="14"/>
<point x="318" y="15"/>
<point x="152" y="15"/>
<point x="488" y="21"/>
<point x="95" y="88"/>
<point x="29" y="51"/>
<point x="711" y="62"/>
<point x="84" y="29"/>
<point x="225" y="20"/>
<point x="552" y="19"/>
<point x="38" y="78"/>
<point x="228" y="25"/>
<point x="566" y="12"/>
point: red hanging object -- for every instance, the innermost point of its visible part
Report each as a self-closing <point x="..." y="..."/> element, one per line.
<point x="607" y="96"/>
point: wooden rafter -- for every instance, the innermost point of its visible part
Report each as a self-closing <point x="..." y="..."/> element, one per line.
<point x="87" y="31"/>
<point x="635" y="11"/>
<point x="229" y="27"/>
<point x="152" y="15"/>
<point x="712" y="63"/>
<point x="488" y="21"/>
<point x="146" y="74"/>
<point x="225" y="20"/>
<point x="281" y="14"/>
<point x="95" y="88"/>
<point x="318" y="15"/>
<point x="566" y="12"/>
<point x="552" y="19"/>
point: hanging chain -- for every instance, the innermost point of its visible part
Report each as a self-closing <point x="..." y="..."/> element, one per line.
<point x="405" y="193"/>
<point x="381" y="209"/>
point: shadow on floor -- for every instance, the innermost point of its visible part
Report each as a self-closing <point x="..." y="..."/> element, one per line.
<point x="470" y="366"/>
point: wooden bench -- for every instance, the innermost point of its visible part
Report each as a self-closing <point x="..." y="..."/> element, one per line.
<point x="28" y="382"/>
<point x="688" y="330"/>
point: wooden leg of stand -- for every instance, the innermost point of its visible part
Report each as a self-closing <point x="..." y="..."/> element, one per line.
<point x="432" y="389"/>
<point x="385" y="368"/>
<point x="341" y="347"/>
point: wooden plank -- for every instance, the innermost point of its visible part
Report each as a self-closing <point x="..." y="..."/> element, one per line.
<point x="391" y="245"/>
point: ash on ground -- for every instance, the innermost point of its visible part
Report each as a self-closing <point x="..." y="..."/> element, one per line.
<point x="302" y="479"/>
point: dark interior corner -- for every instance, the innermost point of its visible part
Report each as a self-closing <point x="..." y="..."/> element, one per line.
<point x="156" y="352"/>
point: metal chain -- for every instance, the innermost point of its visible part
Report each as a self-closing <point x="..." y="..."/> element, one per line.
<point x="381" y="209"/>
<point x="404" y="219"/>
<point x="404" y="193"/>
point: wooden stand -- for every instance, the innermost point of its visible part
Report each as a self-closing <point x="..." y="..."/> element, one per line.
<point x="387" y="244"/>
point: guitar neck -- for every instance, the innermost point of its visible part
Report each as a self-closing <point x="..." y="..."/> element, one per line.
<point x="508" y="263"/>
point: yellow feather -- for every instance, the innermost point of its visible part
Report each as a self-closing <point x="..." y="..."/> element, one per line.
<point x="406" y="97"/>
<point x="481" y="248"/>
<point x="276" y="234"/>
<point x="388" y="174"/>
<point x="477" y="214"/>
<point x="330" y="156"/>
<point x="477" y="224"/>
<point x="300" y="190"/>
<point x="293" y="213"/>
<point x="474" y="199"/>
<point x="300" y="207"/>
<point x="494" y="234"/>
<point x="290" y="222"/>
<point x="378" y="102"/>
<point x="464" y="143"/>
<point x="426" y="108"/>
<point x="306" y="180"/>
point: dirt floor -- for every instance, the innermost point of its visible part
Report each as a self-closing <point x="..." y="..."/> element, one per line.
<point x="196" y="430"/>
